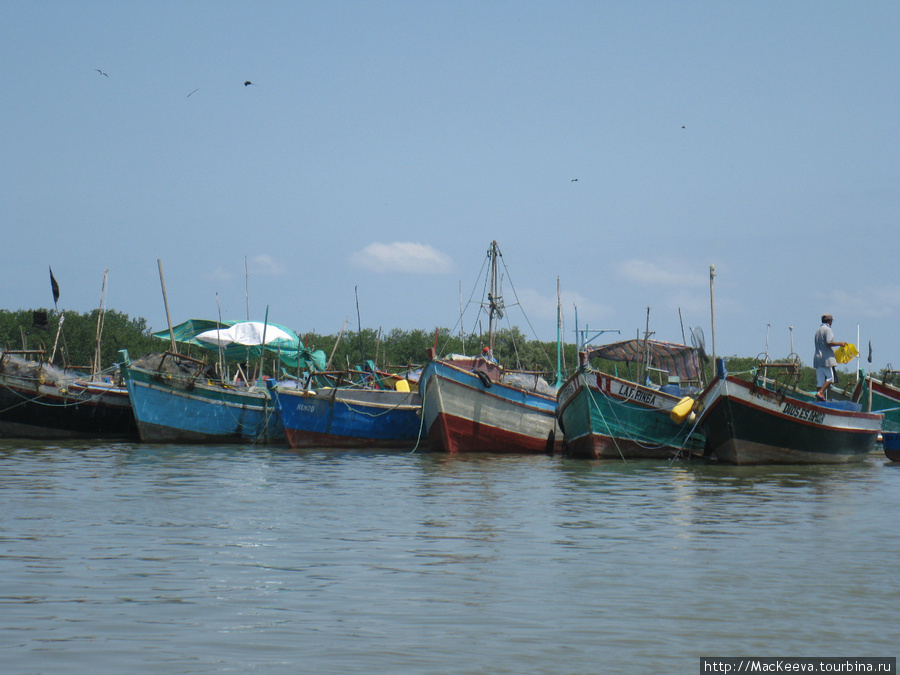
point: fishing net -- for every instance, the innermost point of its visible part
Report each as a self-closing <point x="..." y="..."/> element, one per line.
<point x="14" y="365"/>
<point x="170" y="365"/>
<point x="528" y="382"/>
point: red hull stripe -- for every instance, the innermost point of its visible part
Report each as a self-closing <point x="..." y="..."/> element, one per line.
<point x="453" y="434"/>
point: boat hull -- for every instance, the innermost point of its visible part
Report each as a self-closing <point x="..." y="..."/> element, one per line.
<point x="877" y="396"/>
<point x="170" y="409"/>
<point x="608" y="417"/>
<point x="44" y="411"/>
<point x="467" y="413"/>
<point x="753" y="425"/>
<point x="349" y="418"/>
<point x="891" y="445"/>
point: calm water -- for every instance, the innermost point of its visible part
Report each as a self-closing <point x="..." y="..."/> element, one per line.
<point x="187" y="559"/>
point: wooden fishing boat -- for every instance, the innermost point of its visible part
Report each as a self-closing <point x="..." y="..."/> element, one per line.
<point x="880" y="395"/>
<point x="41" y="401"/>
<point x="606" y="416"/>
<point x="747" y="422"/>
<point x="472" y="404"/>
<point x="180" y="399"/>
<point x="347" y="415"/>
<point x="891" y="444"/>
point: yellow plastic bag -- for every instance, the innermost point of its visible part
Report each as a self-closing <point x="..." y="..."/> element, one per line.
<point x="846" y="353"/>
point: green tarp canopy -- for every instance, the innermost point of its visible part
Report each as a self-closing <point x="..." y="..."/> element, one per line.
<point x="237" y="338"/>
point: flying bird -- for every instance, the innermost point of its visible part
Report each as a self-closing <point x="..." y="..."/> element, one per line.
<point x="195" y="90"/>
<point x="574" y="180"/>
<point x="248" y="82"/>
<point x="101" y="72"/>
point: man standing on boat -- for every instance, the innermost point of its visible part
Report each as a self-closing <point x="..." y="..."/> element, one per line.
<point x="824" y="361"/>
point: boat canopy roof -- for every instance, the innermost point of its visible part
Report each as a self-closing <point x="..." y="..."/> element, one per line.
<point x="678" y="360"/>
<point x="236" y="338"/>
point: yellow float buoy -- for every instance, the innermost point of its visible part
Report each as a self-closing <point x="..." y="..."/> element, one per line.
<point x="682" y="409"/>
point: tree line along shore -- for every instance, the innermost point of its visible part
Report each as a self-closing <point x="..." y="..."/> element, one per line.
<point x="394" y="349"/>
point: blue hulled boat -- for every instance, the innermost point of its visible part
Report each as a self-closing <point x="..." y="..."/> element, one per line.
<point x="349" y="416"/>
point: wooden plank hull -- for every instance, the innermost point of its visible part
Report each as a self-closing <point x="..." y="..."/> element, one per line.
<point x="607" y="417"/>
<point x="464" y="413"/>
<point x="891" y="444"/>
<point x="169" y="409"/>
<point x="349" y="418"/>
<point x="752" y="425"/>
<point x="877" y="396"/>
<point x="31" y="408"/>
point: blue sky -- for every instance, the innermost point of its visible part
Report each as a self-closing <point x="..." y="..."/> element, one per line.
<point x="383" y="145"/>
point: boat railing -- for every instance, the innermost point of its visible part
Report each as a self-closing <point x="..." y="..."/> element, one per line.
<point x="22" y="352"/>
<point x="780" y="377"/>
<point x="665" y="380"/>
<point x="888" y="375"/>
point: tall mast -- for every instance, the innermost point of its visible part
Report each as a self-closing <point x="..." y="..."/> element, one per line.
<point x="95" y="369"/>
<point x="646" y="362"/>
<point x="162" y="282"/>
<point x="558" y="336"/>
<point x="712" y="310"/>
<point x="495" y="301"/>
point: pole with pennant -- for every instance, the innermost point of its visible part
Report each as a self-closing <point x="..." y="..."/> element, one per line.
<point x="54" y="287"/>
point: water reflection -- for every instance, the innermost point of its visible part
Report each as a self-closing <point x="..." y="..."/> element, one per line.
<point x="212" y="558"/>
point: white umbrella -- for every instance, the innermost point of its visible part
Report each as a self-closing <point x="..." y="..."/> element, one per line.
<point x="247" y="333"/>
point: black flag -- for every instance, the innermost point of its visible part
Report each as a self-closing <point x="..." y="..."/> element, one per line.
<point x="54" y="287"/>
<point x="40" y="320"/>
<point x="870" y="351"/>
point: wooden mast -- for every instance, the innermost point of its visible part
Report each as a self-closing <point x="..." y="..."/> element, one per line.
<point x="95" y="368"/>
<point x="494" y="301"/>
<point x="166" y="303"/>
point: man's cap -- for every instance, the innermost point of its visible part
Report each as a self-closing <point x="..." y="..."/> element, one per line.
<point x="826" y="317"/>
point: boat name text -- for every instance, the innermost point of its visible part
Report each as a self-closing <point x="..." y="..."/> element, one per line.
<point x="804" y="414"/>
<point x="636" y="394"/>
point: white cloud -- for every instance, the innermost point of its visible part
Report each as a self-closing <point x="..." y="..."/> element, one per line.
<point x="401" y="256"/>
<point x="649" y="273"/>
<point x="265" y="264"/>
<point x="544" y="306"/>
<point x="219" y="275"/>
<point x="871" y="303"/>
